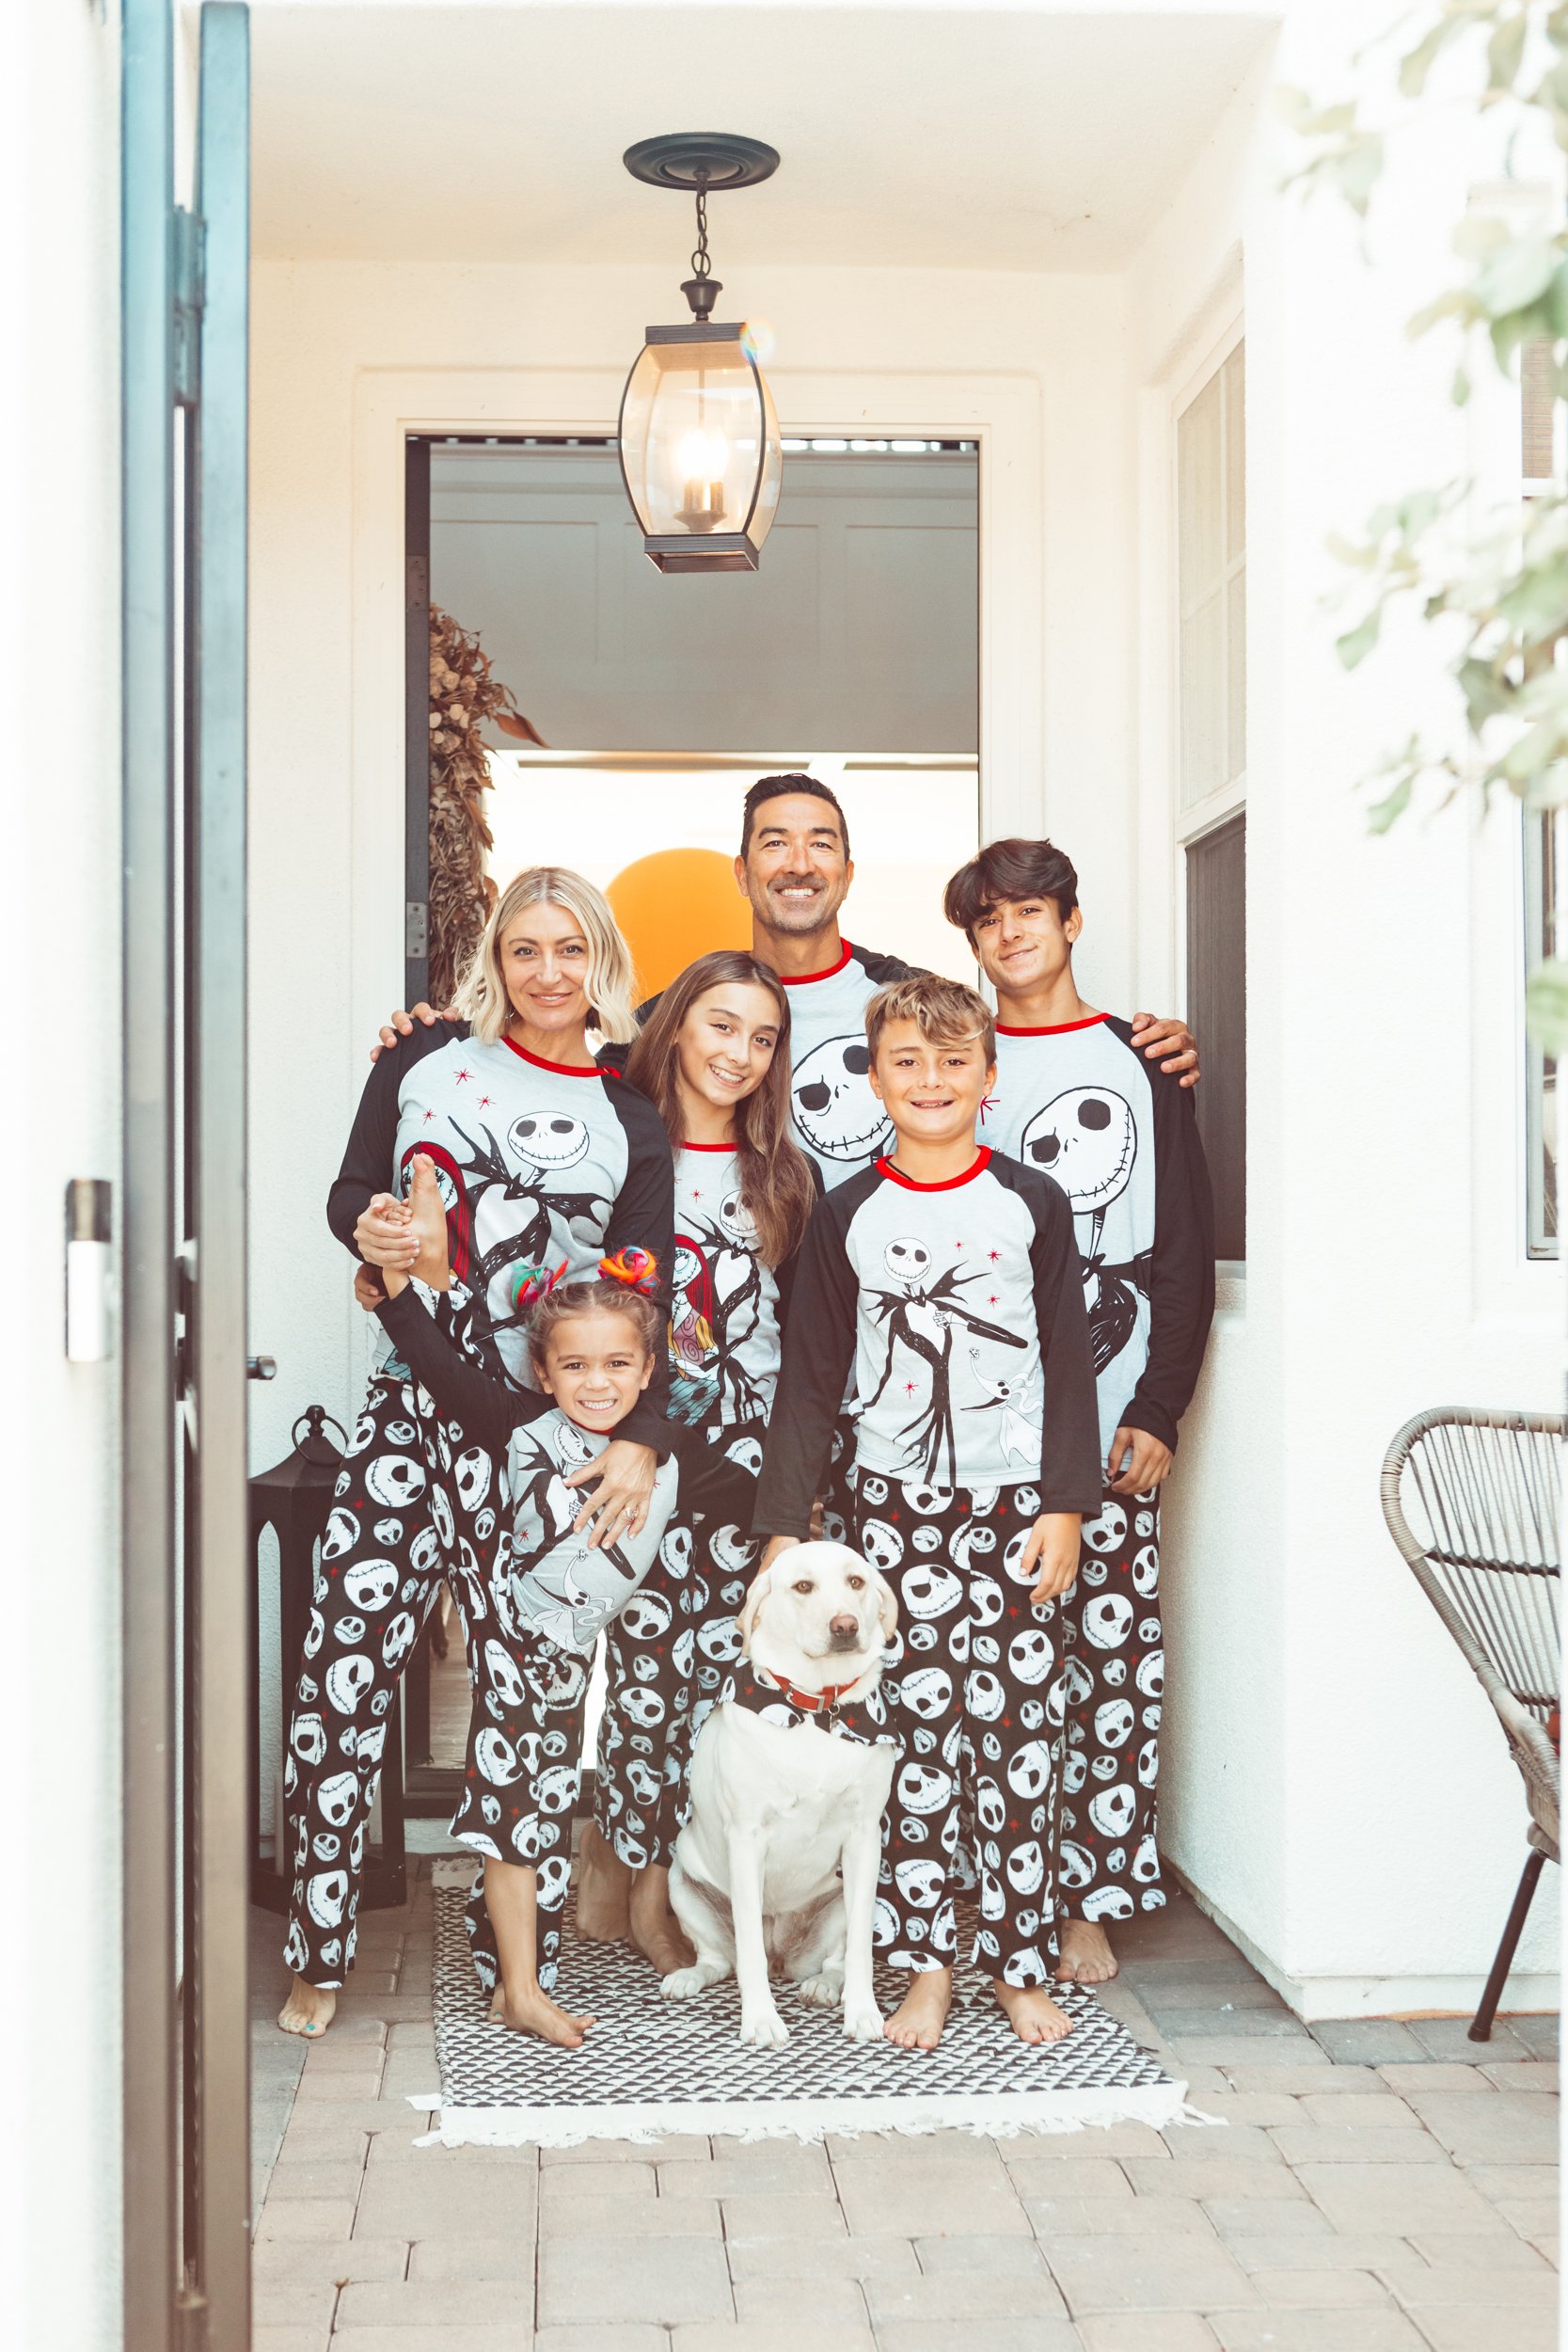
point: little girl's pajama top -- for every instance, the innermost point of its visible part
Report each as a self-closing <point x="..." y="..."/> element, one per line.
<point x="671" y="1655"/>
<point x="538" y="1164"/>
<point x="1082" y="1105"/>
<point x="959" y="1307"/>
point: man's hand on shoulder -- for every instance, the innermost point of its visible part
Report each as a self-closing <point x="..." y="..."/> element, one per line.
<point x="402" y="1024"/>
<point x="1168" y="1041"/>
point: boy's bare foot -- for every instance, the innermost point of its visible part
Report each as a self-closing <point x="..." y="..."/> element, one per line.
<point x="531" y="2010"/>
<point x="307" y="2011"/>
<point x="604" y="1890"/>
<point x="1031" y="2011"/>
<point x="1086" y="1957"/>
<point x="917" y="2022"/>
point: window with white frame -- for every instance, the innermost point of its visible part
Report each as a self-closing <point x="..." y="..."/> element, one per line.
<point x="1211" y="764"/>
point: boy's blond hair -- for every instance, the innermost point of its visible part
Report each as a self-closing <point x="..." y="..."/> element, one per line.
<point x="945" y="1012"/>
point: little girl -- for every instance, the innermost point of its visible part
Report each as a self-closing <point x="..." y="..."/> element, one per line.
<point x="714" y="1060"/>
<point x="593" y="1346"/>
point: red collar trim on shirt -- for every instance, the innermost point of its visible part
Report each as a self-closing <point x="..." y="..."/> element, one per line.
<point x="809" y="1702"/>
<point x="1057" y="1028"/>
<point x="560" y="1069"/>
<point x="710" y="1146"/>
<point x="948" y="1184"/>
<point x="804" y="979"/>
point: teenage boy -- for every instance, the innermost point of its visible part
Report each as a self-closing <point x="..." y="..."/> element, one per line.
<point x="1074" y="1099"/>
<point x="946" y="1279"/>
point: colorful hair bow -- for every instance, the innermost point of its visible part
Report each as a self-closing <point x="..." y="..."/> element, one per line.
<point x="637" y="1268"/>
<point x="531" y="1283"/>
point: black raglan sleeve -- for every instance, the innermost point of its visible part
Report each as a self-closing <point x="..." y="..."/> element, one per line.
<point x="643" y="1218"/>
<point x="488" y="1409"/>
<point x="370" y="1159"/>
<point x="1071" y="1475"/>
<point x="784" y="1273"/>
<point x="819" y="1350"/>
<point x="1181" y="1274"/>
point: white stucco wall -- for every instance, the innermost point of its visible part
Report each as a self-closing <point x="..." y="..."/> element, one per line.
<point x="59" y="651"/>
<point x="1335" y="1788"/>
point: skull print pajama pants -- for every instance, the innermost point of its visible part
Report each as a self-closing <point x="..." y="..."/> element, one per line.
<point x="971" y="1694"/>
<point x="671" y="1657"/>
<point x="415" y="1505"/>
<point x="1113" y="1674"/>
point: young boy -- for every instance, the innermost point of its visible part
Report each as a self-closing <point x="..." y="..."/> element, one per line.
<point x="949" y="1278"/>
<point x="1074" y="1099"/>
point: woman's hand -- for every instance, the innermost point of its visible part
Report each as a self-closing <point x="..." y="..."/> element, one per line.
<point x="383" y="1234"/>
<point x="622" y="1478"/>
<point x="1052" y="1552"/>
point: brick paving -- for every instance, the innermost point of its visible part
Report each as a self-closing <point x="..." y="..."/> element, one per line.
<point x="1380" y="2187"/>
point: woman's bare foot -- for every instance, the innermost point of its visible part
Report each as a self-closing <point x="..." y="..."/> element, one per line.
<point x="655" y="1929"/>
<point x="1086" y="1957"/>
<point x="917" y="2022"/>
<point x="530" y="2009"/>
<point x="1031" y="2011"/>
<point x="604" y="1890"/>
<point x="308" y="2009"/>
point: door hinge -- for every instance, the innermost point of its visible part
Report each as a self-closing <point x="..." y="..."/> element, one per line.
<point x="189" y="242"/>
<point x="416" y="930"/>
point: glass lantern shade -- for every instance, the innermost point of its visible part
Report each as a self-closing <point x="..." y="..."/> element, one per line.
<point x="700" y="451"/>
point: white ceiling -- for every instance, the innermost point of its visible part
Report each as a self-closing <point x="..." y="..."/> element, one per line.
<point x="943" y="136"/>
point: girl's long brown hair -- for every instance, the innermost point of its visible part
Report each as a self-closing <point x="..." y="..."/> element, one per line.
<point x="776" y="1184"/>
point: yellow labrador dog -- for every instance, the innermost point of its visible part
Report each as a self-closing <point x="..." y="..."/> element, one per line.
<point x="788" y="1783"/>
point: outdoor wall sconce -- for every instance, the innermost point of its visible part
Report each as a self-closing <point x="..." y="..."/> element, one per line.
<point x="699" y="441"/>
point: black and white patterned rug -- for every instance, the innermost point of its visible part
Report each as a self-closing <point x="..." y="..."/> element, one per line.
<point x="652" y="2066"/>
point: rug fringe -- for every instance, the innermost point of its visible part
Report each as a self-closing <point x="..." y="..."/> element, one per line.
<point x="1010" y="2117"/>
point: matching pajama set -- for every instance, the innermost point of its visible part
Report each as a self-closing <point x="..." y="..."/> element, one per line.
<point x="671" y="1653"/>
<point x="1120" y="1138"/>
<point x="538" y="1164"/>
<point x="954" y="1312"/>
<point x="549" y="1598"/>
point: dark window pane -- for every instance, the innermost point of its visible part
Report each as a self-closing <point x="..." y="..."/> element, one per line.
<point x="1216" y="1012"/>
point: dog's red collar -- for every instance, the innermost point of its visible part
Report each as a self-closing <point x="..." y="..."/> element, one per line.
<point x="809" y="1702"/>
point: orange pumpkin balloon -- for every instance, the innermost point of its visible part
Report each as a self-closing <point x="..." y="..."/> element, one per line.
<point x="674" y="906"/>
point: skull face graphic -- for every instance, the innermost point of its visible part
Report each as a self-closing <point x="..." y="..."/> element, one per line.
<point x="1086" y="1139"/>
<point x="907" y="1261"/>
<point x="547" y="1140"/>
<point x="834" y="1107"/>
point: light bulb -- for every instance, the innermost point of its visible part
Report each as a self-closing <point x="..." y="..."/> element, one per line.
<point x="703" y="455"/>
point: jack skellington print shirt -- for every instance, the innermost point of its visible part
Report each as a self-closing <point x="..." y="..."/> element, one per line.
<point x="539" y="1164"/>
<point x="1080" y="1105"/>
<point x="547" y="1580"/>
<point x="959" y="1310"/>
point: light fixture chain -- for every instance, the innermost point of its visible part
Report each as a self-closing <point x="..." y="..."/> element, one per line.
<point x="699" y="262"/>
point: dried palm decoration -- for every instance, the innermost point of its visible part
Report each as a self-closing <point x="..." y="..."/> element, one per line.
<point x="464" y="699"/>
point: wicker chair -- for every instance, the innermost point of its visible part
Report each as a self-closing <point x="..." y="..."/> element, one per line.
<point x="1484" y="1492"/>
<point x="1473" y="1499"/>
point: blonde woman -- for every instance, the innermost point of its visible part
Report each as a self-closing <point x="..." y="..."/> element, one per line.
<point x="544" y="1158"/>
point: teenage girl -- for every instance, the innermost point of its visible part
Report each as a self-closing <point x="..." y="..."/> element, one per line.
<point x="713" y="1060"/>
<point x="542" y="1158"/>
<point x="593" y="1346"/>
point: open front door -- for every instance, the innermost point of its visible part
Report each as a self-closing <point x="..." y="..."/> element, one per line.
<point x="187" y="1643"/>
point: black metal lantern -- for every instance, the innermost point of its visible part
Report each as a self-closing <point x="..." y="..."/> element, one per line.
<point x="700" y="450"/>
<point x="295" y="1499"/>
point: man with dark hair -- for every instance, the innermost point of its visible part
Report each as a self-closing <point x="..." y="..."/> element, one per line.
<point x="1076" y="1100"/>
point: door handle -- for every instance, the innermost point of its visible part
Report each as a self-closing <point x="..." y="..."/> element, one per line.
<point x="261" y="1368"/>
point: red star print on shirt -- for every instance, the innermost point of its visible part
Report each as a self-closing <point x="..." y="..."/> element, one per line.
<point x="463" y="1074"/>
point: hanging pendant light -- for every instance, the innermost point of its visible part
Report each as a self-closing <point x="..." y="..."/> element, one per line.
<point x="699" y="450"/>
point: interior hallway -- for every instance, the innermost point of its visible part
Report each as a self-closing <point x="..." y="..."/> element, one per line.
<point x="1380" y="2187"/>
